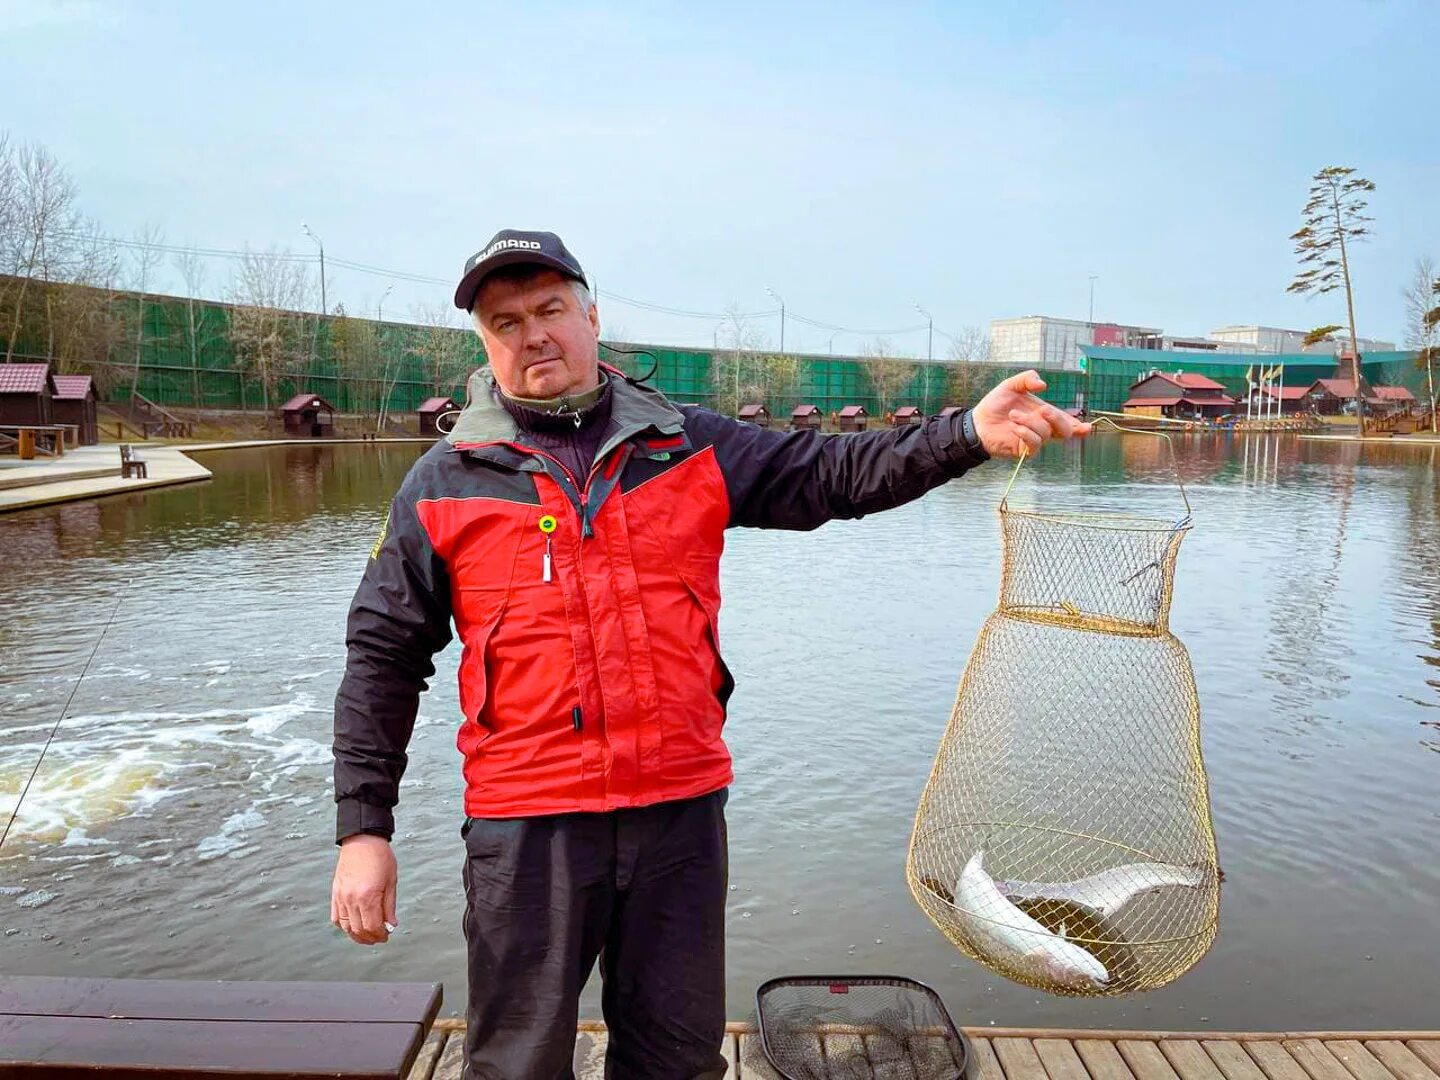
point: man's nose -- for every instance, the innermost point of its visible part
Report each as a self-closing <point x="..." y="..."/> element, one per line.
<point x="536" y="335"/>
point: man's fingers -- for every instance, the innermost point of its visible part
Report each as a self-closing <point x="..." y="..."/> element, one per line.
<point x="359" y="924"/>
<point x="1028" y="436"/>
<point x="390" y="918"/>
<point x="369" y="912"/>
<point x="1062" y="423"/>
<point x="1027" y="382"/>
<point x="1031" y="421"/>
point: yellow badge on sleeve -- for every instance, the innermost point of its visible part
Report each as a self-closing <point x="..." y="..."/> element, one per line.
<point x="384" y="528"/>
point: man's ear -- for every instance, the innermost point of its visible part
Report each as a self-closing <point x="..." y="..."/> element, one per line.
<point x="594" y="316"/>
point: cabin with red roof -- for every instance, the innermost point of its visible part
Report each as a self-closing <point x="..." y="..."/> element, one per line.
<point x="76" y="401"/>
<point x="1178" y="395"/>
<point x="853" y="418"/>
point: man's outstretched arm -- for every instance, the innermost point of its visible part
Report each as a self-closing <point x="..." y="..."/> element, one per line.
<point x="802" y="479"/>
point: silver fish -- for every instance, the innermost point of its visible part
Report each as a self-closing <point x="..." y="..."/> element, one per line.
<point x="1107" y="891"/>
<point x="1007" y="933"/>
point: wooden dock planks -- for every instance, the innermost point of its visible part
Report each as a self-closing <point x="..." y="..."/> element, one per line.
<point x="1018" y="1054"/>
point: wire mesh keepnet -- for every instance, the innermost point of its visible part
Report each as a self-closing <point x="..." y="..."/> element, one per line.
<point x="1064" y="838"/>
<point x="858" y="1028"/>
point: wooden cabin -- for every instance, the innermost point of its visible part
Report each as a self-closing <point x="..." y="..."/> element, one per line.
<point x="804" y="417"/>
<point x="758" y="415"/>
<point x="906" y="415"/>
<point x="27" y="394"/>
<point x="1178" y="395"/>
<point x="853" y="418"/>
<point x="76" y="402"/>
<point x="309" y="416"/>
<point x="1391" y="400"/>
<point x="430" y="411"/>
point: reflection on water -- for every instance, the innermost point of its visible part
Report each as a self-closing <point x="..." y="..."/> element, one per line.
<point x="182" y="823"/>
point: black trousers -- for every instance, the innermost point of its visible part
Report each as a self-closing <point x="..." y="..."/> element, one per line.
<point x="644" y="890"/>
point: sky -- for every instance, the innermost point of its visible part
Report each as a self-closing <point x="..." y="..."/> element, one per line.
<point x="976" y="160"/>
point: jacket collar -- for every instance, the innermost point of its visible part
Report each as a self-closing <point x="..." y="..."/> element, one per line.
<point x="633" y="409"/>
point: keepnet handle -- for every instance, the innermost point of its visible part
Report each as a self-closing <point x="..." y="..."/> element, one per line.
<point x="1024" y="453"/>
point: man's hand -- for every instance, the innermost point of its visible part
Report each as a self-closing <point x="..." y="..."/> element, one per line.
<point x="362" y="899"/>
<point x="1011" y="418"/>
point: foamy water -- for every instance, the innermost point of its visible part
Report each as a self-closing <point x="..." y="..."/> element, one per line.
<point x="102" y="767"/>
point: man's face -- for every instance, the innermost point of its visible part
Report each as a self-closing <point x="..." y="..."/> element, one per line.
<point x="539" y="341"/>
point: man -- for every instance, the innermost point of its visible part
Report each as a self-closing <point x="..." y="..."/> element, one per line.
<point x="571" y="525"/>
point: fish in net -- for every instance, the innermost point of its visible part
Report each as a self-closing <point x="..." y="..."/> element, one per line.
<point x="1064" y="837"/>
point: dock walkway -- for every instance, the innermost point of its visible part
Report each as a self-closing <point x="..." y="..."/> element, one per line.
<point x="92" y="471"/>
<point x="1042" y="1054"/>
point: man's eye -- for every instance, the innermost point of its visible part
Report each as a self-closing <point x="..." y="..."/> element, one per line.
<point x="504" y="326"/>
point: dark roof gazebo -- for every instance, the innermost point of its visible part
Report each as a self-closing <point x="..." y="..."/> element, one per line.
<point x="806" y="416"/>
<point x="853" y="418"/>
<point x="907" y="414"/>
<point x="758" y="415"/>
<point x="431" y="409"/>
<point x="26" y="394"/>
<point x="309" y="415"/>
<point x="75" y="403"/>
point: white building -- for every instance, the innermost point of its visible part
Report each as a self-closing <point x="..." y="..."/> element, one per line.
<point x="1273" y="339"/>
<point x="1171" y="343"/>
<point x="1042" y="341"/>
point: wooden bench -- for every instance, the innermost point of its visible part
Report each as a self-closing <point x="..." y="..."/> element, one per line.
<point x="132" y="463"/>
<point x="128" y="1029"/>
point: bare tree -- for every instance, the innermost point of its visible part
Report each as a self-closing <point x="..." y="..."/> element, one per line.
<point x="1422" y="319"/>
<point x="1334" y="213"/>
<point x="41" y="216"/>
<point x="889" y="374"/>
<point x="57" y="273"/>
<point x="444" y="347"/>
<point x="780" y="380"/>
<point x="736" y="369"/>
<point x="9" y="219"/>
<point x="85" y="323"/>
<point x="192" y="272"/>
<point x="356" y="348"/>
<point x="145" y="257"/>
<point x="971" y="374"/>
<point x="269" y="290"/>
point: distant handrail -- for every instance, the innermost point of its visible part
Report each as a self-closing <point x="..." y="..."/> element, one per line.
<point x="166" y="413"/>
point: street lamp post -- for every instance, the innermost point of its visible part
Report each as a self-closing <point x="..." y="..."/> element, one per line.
<point x="830" y="346"/>
<point x="929" y="352"/>
<point x="1088" y="363"/>
<point x="781" y="302"/>
<point x="324" y="310"/>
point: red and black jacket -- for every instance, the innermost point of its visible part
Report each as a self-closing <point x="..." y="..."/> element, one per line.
<point x="590" y="679"/>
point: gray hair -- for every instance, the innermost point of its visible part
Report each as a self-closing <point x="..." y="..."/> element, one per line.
<point x="582" y="295"/>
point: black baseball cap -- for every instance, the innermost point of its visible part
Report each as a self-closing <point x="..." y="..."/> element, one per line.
<point x="509" y="247"/>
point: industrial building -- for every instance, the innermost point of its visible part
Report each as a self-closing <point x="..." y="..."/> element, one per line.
<point x="1048" y="342"/>
<point x="1274" y="339"/>
<point x="1043" y="341"/>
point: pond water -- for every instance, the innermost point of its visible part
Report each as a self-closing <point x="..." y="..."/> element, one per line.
<point x="182" y="824"/>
